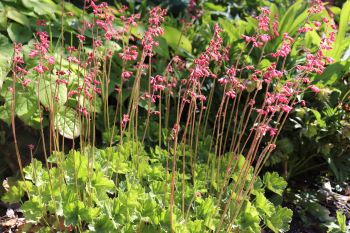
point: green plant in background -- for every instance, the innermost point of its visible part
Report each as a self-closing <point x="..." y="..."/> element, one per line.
<point x="192" y="124"/>
<point x="322" y="127"/>
<point x="340" y="226"/>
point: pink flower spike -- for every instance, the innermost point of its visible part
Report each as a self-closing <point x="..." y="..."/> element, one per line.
<point x="126" y="75"/>
<point x="263" y="19"/>
<point x="125" y="119"/>
<point x="40" y="68"/>
<point x="231" y="94"/>
<point x="273" y="132"/>
<point x="26" y="82"/>
<point x="41" y="22"/>
<point x="81" y="38"/>
<point x="31" y="147"/>
<point x="317" y="24"/>
<point x="329" y="60"/>
<point x="265" y="37"/>
<point x="286" y="108"/>
<point x="314" y="89"/>
<point x="129" y="53"/>
<point x="261" y="112"/>
<point x="33" y="53"/>
<point x="50" y="60"/>
<point x="71" y="49"/>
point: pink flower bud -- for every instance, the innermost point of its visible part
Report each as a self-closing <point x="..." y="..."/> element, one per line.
<point x="314" y="89"/>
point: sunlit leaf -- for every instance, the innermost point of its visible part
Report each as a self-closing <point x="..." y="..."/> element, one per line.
<point x="274" y="182"/>
<point x="68" y="123"/>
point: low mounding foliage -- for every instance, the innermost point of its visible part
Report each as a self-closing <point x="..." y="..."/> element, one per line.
<point x="186" y="135"/>
<point x="128" y="195"/>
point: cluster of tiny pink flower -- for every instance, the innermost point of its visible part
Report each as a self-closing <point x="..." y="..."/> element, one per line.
<point x="129" y="53"/>
<point x="18" y="62"/>
<point x="154" y="30"/>
<point x="285" y="48"/>
<point x="193" y="9"/>
<point x="263" y="19"/>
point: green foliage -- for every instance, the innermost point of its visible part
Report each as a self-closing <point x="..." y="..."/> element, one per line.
<point x="122" y="189"/>
<point x="176" y="39"/>
<point x="118" y="193"/>
<point x="274" y="182"/>
<point x="280" y="219"/>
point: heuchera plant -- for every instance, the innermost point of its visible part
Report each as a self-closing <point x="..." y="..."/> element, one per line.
<point x="237" y="102"/>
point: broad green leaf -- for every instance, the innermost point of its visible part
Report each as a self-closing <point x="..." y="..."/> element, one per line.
<point x="176" y="39"/>
<point x="264" y="63"/>
<point x="249" y="220"/>
<point x="331" y="73"/>
<point x="33" y="209"/>
<point x="75" y="167"/>
<point x="19" y="33"/>
<point x="41" y="7"/>
<point x="14" y="194"/>
<point x="102" y="184"/>
<point x="318" y="211"/>
<point x="138" y="31"/>
<point x="26" y="105"/>
<point x="162" y="49"/>
<point x="311" y="37"/>
<point x="195" y="226"/>
<point x="280" y="219"/>
<point x="263" y="205"/>
<point x="229" y="28"/>
<point x="5" y="114"/>
<point x="319" y="119"/>
<point x="299" y="20"/>
<point x="208" y="211"/>
<point x="70" y="7"/>
<point x="285" y="145"/>
<point x="335" y="10"/>
<point x="5" y="58"/>
<point x="339" y="46"/>
<point x="288" y="20"/>
<point x="274" y="182"/>
<point x="341" y="218"/>
<point x="15" y="15"/>
<point x="214" y="7"/>
<point x="104" y="224"/>
<point x="68" y="123"/>
<point x="3" y="18"/>
<point x="77" y="211"/>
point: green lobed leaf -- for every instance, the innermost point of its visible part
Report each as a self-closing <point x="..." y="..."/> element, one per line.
<point x="26" y="105"/>
<point x="274" y="182"/>
<point x="14" y="194"/>
<point x="263" y="205"/>
<point x="33" y="209"/>
<point x="280" y="219"/>
<point x="249" y="220"/>
<point x="75" y="167"/>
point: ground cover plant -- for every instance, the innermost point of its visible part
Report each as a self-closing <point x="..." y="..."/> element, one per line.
<point x="147" y="124"/>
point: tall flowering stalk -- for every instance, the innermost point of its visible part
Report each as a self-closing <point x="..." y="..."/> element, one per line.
<point x="243" y="112"/>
